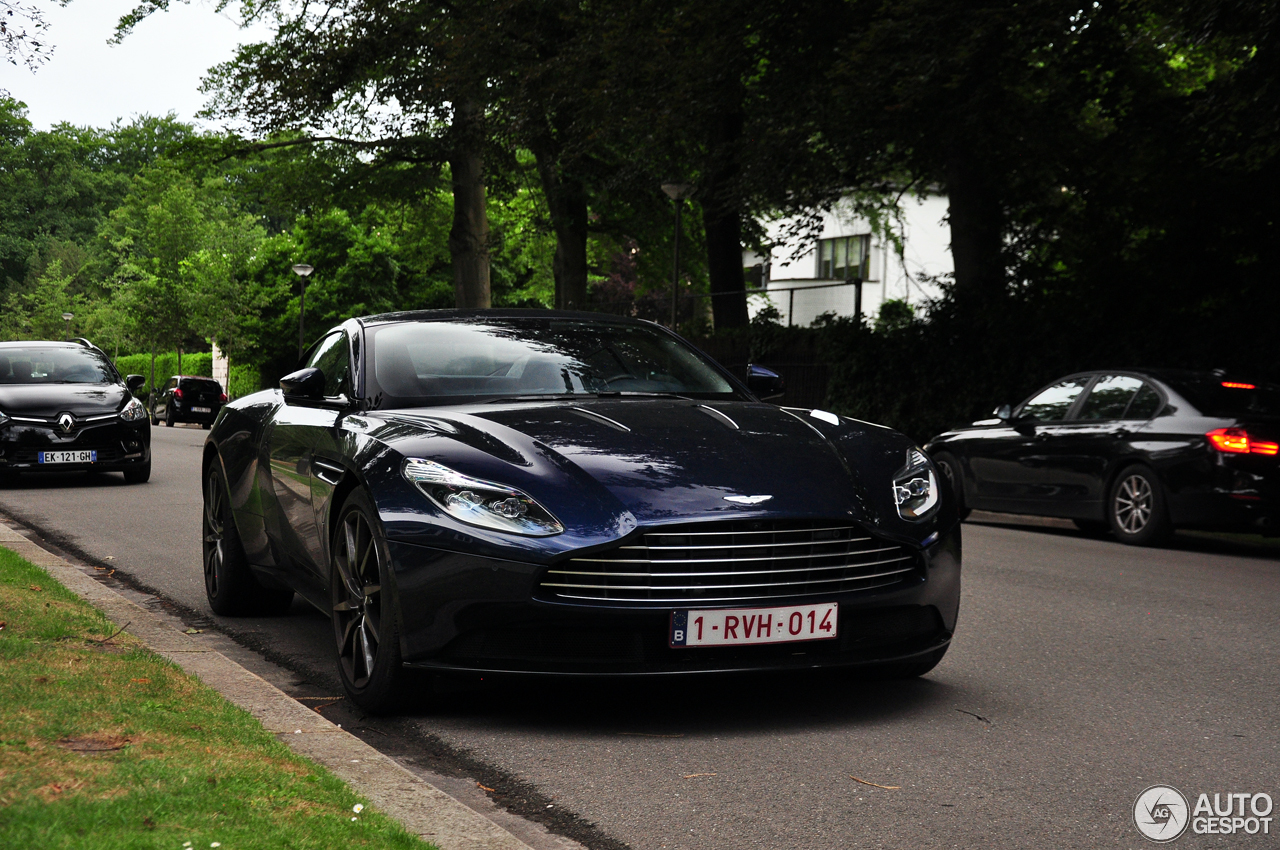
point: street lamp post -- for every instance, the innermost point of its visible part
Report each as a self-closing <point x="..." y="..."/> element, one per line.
<point x="67" y="317"/>
<point x="676" y="192"/>
<point x="302" y="270"/>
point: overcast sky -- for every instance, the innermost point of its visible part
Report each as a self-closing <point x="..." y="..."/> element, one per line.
<point x="155" y="71"/>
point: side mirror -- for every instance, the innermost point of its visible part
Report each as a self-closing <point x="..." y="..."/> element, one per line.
<point x="1004" y="413"/>
<point x="765" y="383"/>
<point x="135" y="382"/>
<point x="303" y="384"/>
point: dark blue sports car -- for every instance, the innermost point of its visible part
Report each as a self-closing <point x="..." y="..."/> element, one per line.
<point x="570" y="493"/>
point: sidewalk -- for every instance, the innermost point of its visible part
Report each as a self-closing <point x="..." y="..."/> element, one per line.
<point x="420" y="807"/>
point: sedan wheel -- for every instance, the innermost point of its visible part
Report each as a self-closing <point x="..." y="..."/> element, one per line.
<point x="229" y="583"/>
<point x="365" y="624"/>
<point x="1136" y="509"/>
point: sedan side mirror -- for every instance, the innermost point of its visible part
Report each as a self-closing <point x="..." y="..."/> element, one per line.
<point x="304" y="384"/>
<point x="135" y="382"/>
<point x="765" y="383"/>
<point x="1004" y="413"/>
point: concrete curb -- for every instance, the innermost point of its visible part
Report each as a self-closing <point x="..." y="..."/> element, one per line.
<point x="422" y="808"/>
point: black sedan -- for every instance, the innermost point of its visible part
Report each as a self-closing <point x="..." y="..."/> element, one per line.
<point x="566" y="493"/>
<point x="188" y="398"/>
<point x="1136" y="452"/>
<point x="63" y="406"/>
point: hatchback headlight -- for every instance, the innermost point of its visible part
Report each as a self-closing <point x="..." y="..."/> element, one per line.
<point x="133" y="411"/>
<point x="915" y="487"/>
<point x="482" y="503"/>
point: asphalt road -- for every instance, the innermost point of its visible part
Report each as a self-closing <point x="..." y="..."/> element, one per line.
<point x="1083" y="672"/>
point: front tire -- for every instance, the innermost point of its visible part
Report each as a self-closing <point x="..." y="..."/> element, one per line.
<point x="138" y="474"/>
<point x="950" y="469"/>
<point x="366" y="622"/>
<point x="229" y="583"/>
<point x="1136" y="508"/>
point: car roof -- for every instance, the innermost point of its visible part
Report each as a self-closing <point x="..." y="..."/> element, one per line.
<point x="502" y="313"/>
<point x="40" y="343"/>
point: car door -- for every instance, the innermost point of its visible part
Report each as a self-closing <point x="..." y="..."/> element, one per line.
<point x="1008" y="463"/>
<point x="1075" y="455"/>
<point x="300" y="431"/>
<point x="162" y="400"/>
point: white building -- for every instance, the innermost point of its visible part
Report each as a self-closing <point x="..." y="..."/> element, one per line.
<point x="850" y="263"/>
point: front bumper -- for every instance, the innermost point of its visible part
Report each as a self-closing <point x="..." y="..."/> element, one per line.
<point x="467" y="613"/>
<point x="119" y="445"/>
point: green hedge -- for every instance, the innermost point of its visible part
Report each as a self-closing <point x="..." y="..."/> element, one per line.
<point x="244" y="379"/>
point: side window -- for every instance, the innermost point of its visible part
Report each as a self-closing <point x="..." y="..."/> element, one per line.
<point x="1109" y="397"/>
<point x="1052" y="404"/>
<point x="1145" y="404"/>
<point x="331" y="357"/>
<point x="173" y="382"/>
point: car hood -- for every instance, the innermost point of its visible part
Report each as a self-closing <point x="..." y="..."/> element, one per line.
<point x="661" y="459"/>
<point x="48" y="400"/>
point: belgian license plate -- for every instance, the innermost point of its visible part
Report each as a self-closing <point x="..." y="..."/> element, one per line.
<point x="81" y="456"/>
<point x="201" y="410"/>
<point x="747" y="626"/>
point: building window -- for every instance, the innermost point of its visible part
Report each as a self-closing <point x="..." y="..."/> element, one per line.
<point x="845" y="258"/>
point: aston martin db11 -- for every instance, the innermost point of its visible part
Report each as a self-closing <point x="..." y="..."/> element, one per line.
<point x="569" y="493"/>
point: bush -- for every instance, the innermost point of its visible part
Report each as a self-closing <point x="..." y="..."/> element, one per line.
<point x="193" y="363"/>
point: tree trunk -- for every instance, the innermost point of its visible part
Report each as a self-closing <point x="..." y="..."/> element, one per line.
<point x="722" y="218"/>
<point x="567" y="201"/>
<point x="977" y="232"/>
<point x="152" y="385"/>
<point x="469" y="236"/>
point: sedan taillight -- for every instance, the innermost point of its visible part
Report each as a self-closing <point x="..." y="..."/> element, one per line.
<point x="1238" y="441"/>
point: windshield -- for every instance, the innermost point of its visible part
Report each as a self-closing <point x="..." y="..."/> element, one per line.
<point x="55" y="366"/>
<point x="420" y="363"/>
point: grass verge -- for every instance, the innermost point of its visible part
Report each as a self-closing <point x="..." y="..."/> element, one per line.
<point x="104" y="744"/>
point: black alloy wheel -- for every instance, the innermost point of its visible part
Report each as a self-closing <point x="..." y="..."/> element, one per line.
<point x="1136" y="509"/>
<point x="950" y="469"/>
<point x="229" y="583"/>
<point x="168" y="415"/>
<point x="365" y="622"/>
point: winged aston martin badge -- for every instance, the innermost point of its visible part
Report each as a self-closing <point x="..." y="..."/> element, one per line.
<point x="747" y="500"/>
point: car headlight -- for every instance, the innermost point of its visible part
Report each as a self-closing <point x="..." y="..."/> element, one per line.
<point x="482" y="503"/>
<point x="133" y="411"/>
<point x="915" y="487"/>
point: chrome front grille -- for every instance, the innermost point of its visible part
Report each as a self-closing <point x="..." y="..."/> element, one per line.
<point x="734" y="561"/>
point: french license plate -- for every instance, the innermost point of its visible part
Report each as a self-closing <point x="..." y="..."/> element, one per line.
<point x="201" y="410"/>
<point x="81" y="456"/>
<point x="747" y="626"/>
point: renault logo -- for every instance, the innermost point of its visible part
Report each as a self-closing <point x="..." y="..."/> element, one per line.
<point x="66" y="421"/>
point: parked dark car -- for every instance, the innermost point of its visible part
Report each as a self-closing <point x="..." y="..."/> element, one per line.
<point x="63" y="406"/>
<point x="1137" y="452"/>
<point x="187" y="398"/>
<point x="569" y="493"/>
